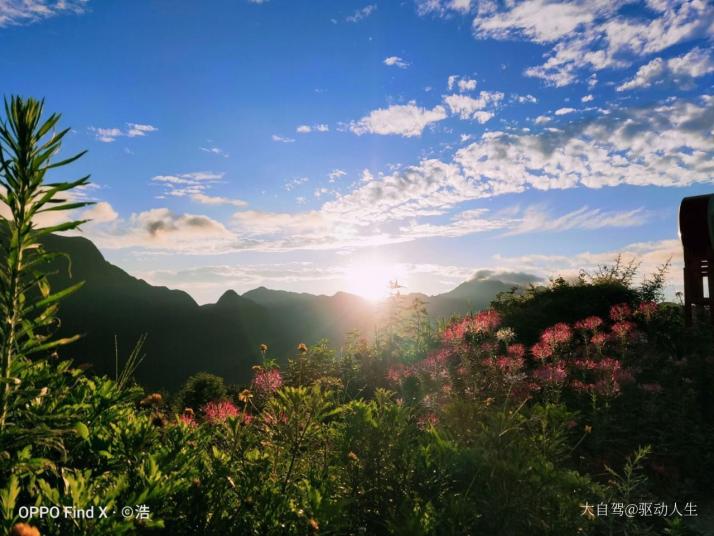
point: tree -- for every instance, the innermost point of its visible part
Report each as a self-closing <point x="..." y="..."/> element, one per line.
<point x="28" y="145"/>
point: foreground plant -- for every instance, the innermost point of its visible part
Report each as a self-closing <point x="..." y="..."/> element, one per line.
<point x="27" y="146"/>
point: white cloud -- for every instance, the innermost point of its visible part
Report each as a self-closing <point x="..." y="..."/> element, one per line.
<point x="541" y="119"/>
<point x="162" y="229"/>
<point x="102" y="212"/>
<point x="680" y="70"/>
<point x="306" y="129"/>
<point x="592" y="35"/>
<point x="217" y="200"/>
<point x="282" y="139"/>
<point x="396" y="61"/>
<point x="462" y="83"/>
<point x="443" y="8"/>
<point x="473" y="108"/>
<point x="187" y="184"/>
<point x="133" y="130"/>
<point x="294" y="183"/>
<point x="536" y="219"/>
<point x="587" y="98"/>
<point x="565" y="111"/>
<point x="336" y="174"/>
<point x="215" y="150"/>
<point x="407" y="120"/>
<point x="362" y="13"/>
<point x="530" y="99"/>
<point x="19" y="12"/>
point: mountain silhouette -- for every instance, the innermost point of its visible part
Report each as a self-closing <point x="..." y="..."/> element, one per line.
<point x="223" y="338"/>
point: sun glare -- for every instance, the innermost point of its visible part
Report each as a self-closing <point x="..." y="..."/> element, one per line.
<point x="371" y="280"/>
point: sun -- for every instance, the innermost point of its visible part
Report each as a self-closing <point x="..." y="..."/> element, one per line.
<point x="370" y="280"/>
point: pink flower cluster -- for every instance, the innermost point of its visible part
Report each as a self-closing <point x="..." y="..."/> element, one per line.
<point x="551" y="373"/>
<point x="590" y="323"/>
<point x="219" y="411"/>
<point x="620" y="312"/>
<point x="482" y="322"/>
<point x="647" y="310"/>
<point x="267" y="381"/>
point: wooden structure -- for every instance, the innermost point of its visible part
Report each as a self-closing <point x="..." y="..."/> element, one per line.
<point x="696" y="230"/>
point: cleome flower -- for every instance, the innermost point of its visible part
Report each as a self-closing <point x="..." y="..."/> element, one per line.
<point x="219" y="411"/>
<point x="590" y="323"/>
<point x="620" y="312"/>
<point x="267" y="381"/>
<point x="560" y="333"/>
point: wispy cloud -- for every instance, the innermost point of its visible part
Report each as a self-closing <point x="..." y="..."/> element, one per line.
<point x="282" y="139"/>
<point x="19" y="12"/>
<point x="132" y="130"/>
<point x="362" y="13"/>
<point x="396" y="61"/>
<point x="215" y="150"/>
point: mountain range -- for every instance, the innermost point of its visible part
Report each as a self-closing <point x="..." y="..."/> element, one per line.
<point x="223" y="337"/>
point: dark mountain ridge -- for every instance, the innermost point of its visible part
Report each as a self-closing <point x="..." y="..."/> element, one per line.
<point x="223" y="337"/>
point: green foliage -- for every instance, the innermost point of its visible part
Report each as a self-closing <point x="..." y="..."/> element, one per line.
<point x="28" y="307"/>
<point x="200" y="389"/>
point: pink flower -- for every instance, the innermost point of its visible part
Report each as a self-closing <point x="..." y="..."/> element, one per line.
<point x="647" y="309"/>
<point x="623" y="328"/>
<point x="219" y="411"/>
<point x="398" y="372"/>
<point x="516" y="350"/>
<point x="620" y="312"/>
<point x="509" y="364"/>
<point x="188" y="420"/>
<point x="599" y="339"/>
<point x="267" y="381"/>
<point x="487" y="321"/>
<point x="551" y="373"/>
<point x="585" y="364"/>
<point x="591" y="323"/>
<point x="581" y="387"/>
<point x="541" y="350"/>
<point x="557" y="334"/>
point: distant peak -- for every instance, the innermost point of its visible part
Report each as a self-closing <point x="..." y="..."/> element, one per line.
<point x="229" y="296"/>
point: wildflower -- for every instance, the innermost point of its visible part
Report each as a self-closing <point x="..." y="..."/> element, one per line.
<point x="620" y="312"/>
<point x="557" y="334"/>
<point x="505" y="335"/>
<point x="267" y="381"/>
<point x="647" y="310"/>
<point x="487" y="320"/>
<point x="263" y="348"/>
<point x="541" y="350"/>
<point x="623" y="328"/>
<point x="581" y="387"/>
<point x="591" y="323"/>
<point x="219" y="411"/>
<point x="516" y="350"/>
<point x="313" y="524"/>
<point x="398" y="372"/>
<point x="187" y="419"/>
<point x="551" y="373"/>
<point x="588" y="429"/>
<point x="245" y="395"/>
<point x="154" y="399"/>
<point x="23" y="529"/>
<point x="302" y="348"/>
<point x="352" y="456"/>
<point x="599" y="339"/>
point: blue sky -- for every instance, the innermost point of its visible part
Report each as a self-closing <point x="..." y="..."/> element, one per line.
<point x="322" y="146"/>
